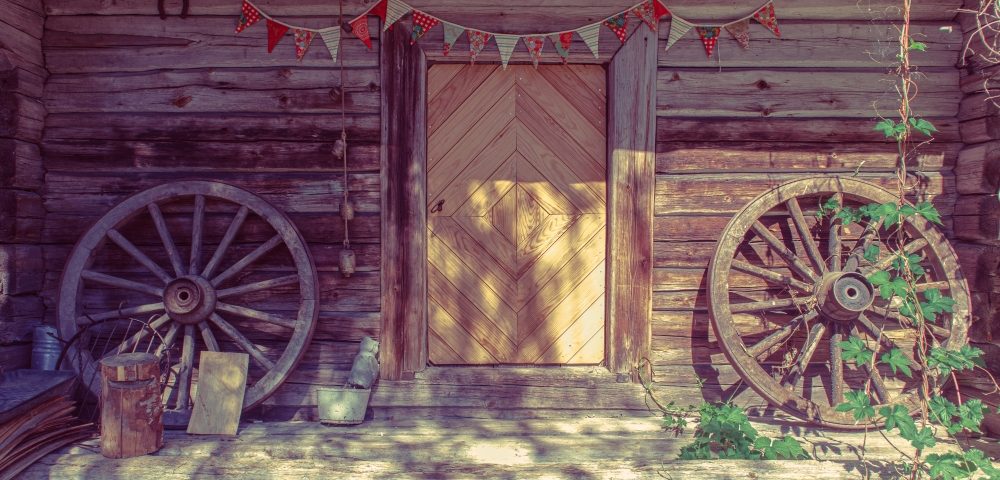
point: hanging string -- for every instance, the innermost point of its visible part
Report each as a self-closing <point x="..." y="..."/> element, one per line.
<point x="343" y="138"/>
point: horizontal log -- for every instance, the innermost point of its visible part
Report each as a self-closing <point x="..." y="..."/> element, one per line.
<point x="799" y="158"/>
<point x="17" y="79"/>
<point x="20" y="165"/>
<point x="775" y="129"/>
<point x="205" y="156"/>
<point x="21" y="216"/>
<point x="80" y="44"/>
<point x="979" y="130"/>
<point x="21" y="33"/>
<point x="978" y="105"/>
<point x="977" y="218"/>
<point x="26" y="16"/>
<point x="21" y="269"/>
<point x="21" y="117"/>
<point x="978" y="169"/>
<point x="21" y="308"/>
<point x="981" y="265"/>
<point x="488" y="12"/>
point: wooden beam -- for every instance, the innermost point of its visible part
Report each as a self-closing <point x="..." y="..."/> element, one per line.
<point x="632" y="154"/>
<point x="404" y="242"/>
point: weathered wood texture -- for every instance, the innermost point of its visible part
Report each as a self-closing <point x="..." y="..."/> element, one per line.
<point x="131" y="412"/>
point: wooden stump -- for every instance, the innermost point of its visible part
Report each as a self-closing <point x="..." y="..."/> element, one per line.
<point x="131" y="412"/>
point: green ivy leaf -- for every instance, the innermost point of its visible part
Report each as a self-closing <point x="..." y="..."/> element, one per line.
<point x="949" y="466"/>
<point x="922" y="126"/>
<point x="897" y="361"/>
<point x="927" y="210"/>
<point x="879" y="278"/>
<point x="858" y="403"/>
<point x="921" y="439"/>
<point x="897" y="416"/>
<point x="887" y="127"/>
<point x="855" y="350"/>
<point x="889" y="213"/>
<point x="872" y="253"/>
<point x="895" y="288"/>
<point x="971" y="414"/>
<point x="911" y="262"/>
<point x="942" y="411"/>
<point x="918" y="46"/>
<point x="947" y="361"/>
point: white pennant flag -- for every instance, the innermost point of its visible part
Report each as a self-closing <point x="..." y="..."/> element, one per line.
<point x="394" y="10"/>
<point x="506" y="44"/>
<point x="678" y="27"/>
<point x="590" y="35"/>
<point x="451" y="34"/>
<point x="331" y="37"/>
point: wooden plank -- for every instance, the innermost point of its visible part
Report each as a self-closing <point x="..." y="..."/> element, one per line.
<point x="20" y="165"/>
<point x="802" y="158"/>
<point x="778" y="129"/>
<point x="404" y="243"/>
<point x="977" y="218"/>
<point x="978" y="169"/>
<point x="222" y="380"/>
<point x="21" y="269"/>
<point x="631" y="153"/>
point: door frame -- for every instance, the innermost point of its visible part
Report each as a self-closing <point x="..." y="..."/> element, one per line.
<point x="631" y="142"/>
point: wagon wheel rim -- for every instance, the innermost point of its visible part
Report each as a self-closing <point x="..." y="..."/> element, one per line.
<point x="811" y="278"/>
<point x="195" y="298"/>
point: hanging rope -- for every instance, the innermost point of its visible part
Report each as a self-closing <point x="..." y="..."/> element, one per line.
<point x="347" y="259"/>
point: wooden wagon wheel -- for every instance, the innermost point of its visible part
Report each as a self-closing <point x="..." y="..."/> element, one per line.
<point x="787" y="285"/>
<point x="151" y="257"/>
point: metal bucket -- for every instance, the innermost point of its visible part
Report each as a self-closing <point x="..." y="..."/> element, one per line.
<point x="45" y="348"/>
<point x="342" y="406"/>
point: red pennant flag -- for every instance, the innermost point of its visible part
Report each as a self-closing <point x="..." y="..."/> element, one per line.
<point x="249" y="15"/>
<point x="619" y="25"/>
<point x="302" y="40"/>
<point x="275" y="31"/>
<point x="650" y="13"/>
<point x="562" y="41"/>
<point x="379" y="9"/>
<point x="709" y="36"/>
<point x="766" y="18"/>
<point x="422" y="23"/>
<point x="360" y="28"/>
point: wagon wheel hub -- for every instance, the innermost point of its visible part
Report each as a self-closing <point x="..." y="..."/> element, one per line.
<point x="189" y="299"/>
<point x="844" y="296"/>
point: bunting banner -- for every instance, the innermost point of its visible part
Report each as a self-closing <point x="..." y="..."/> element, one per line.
<point x="678" y="27"/>
<point x="590" y="35"/>
<point x="765" y="15"/>
<point x="709" y="36"/>
<point x="451" y="34"/>
<point x="359" y="26"/>
<point x="562" y="41"/>
<point x="331" y="37"/>
<point x="477" y="40"/>
<point x="740" y="32"/>
<point x="649" y="12"/>
<point x="422" y="23"/>
<point x="249" y="15"/>
<point x="302" y="40"/>
<point x="275" y="31"/>
<point x="534" y="46"/>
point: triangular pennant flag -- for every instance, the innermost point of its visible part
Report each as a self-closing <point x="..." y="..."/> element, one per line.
<point x="249" y="15"/>
<point x="302" y="40"/>
<point x="331" y="37"/>
<point x="392" y="12"/>
<point x="379" y="9"/>
<point x="709" y="36"/>
<point x="678" y="27"/>
<point x="451" y="34"/>
<point x="619" y="25"/>
<point x="477" y="40"/>
<point x="766" y="18"/>
<point x="422" y="23"/>
<point x="650" y="12"/>
<point x="590" y="35"/>
<point x="359" y="26"/>
<point x="275" y="31"/>
<point x="506" y="44"/>
<point x="534" y="45"/>
<point x="562" y="42"/>
<point x="741" y="32"/>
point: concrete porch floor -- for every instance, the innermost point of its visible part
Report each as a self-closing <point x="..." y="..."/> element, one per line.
<point x="585" y="448"/>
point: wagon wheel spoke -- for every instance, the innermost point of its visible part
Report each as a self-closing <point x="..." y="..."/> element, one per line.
<point x="939" y="332"/>
<point x="771" y="276"/>
<point x="833" y="242"/>
<point x="220" y="251"/>
<point x="255" y="314"/>
<point x="866" y="240"/>
<point x="258" y="286"/>
<point x="187" y="367"/>
<point x="836" y="368"/>
<point x="129" y="344"/>
<point x="140" y="257"/>
<point x="940" y="285"/>
<point x="779" y="304"/>
<point x="886" y="341"/>
<point x="168" y="339"/>
<point x="197" y="224"/>
<point x="787" y="255"/>
<point x="779" y="335"/>
<point x="242" y="341"/>
<point x="119" y="282"/>
<point x="208" y="337"/>
<point x="805" y="355"/>
<point x="803" y="228"/>
<point x="885" y="262"/>
<point x="83" y="320"/>
<point x="247" y="260"/>
<point x="166" y="239"/>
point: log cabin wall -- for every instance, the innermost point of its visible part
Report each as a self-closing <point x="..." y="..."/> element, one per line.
<point x="22" y="78"/>
<point x="136" y="101"/>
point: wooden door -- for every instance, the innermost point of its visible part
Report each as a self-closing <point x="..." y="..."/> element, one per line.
<point x="516" y="196"/>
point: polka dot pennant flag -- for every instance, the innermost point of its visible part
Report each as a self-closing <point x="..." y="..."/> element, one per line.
<point x="619" y="25"/>
<point x="422" y="23"/>
<point x="650" y="13"/>
<point x="477" y="40"/>
<point x="249" y="15"/>
<point x="506" y="44"/>
<point x="534" y="45"/>
<point x="331" y="37"/>
<point x="359" y="26"/>
<point x="275" y="31"/>
<point x="741" y="32"/>
<point x="562" y="41"/>
<point x="590" y="35"/>
<point x="389" y="11"/>
<point x="709" y="37"/>
<point x="302" y="40"/>
<point x="678" y="27"/>
<point x="766" y="18"/>
<point x="451" y="34"/>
